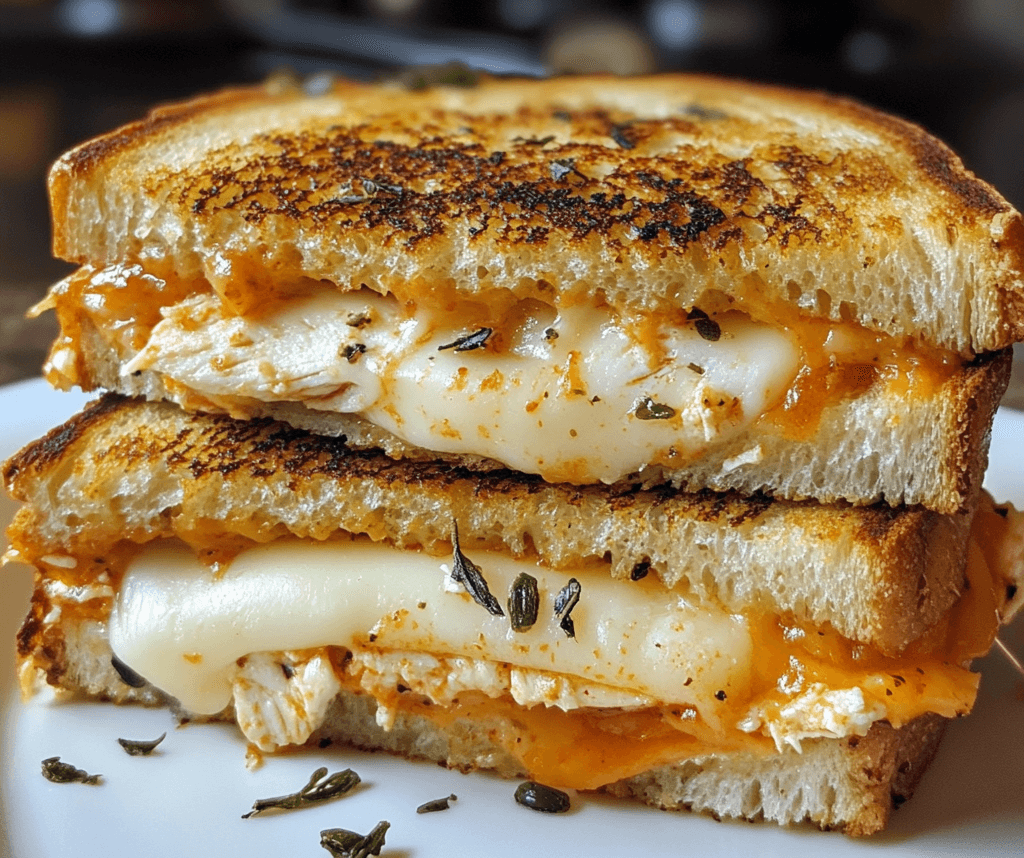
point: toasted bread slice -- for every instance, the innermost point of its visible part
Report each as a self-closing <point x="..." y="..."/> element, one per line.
<point x="132" y="471"/>
<point x="643" y="193"/>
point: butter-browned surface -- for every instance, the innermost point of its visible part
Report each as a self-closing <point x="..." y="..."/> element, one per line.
<point x="644" y="192"/>
<point x="125" y="472"/>
<point x="55" y="445"/>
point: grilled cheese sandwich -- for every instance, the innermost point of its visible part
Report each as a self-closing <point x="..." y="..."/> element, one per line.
<point x="712" y="365"/>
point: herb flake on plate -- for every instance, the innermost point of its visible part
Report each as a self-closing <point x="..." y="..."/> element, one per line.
<point x="65" y="773"/>
<point x="140" y="748"/>
<point x="342" y="843"/>
<point x="543" y="798"/>
<point x="437" y="804"/>
<point x="321" y="787"/>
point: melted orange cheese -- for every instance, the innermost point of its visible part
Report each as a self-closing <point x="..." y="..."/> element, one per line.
<point x="905" y="370"/>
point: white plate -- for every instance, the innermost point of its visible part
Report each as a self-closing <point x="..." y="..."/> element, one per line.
<point x="187" y="799"/>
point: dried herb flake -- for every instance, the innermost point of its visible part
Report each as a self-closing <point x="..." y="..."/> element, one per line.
<point x="618" y="134"/>
<point x="565" y="601"/>
<point x="342" y="843"/>
<point x="561" y="168"/>
<point x="707" y="327"/>
<point x="65" y="773"/>
<point x="321" y="787"/>
<point x="468" y="574"/>
<point x="349" y="199"/>
<point x="140" y="748"/>
<point x="351" y="352"/>
<point x="534" y="141"/>
<point x="128" y="676"/>
<point x="523" y="602"/>
<point x="640" y="570"/>
<point x="469" y="342"/>
<point x="543" y="798"/>
<point x="358" y="320"/>
<point x="701" y="112"/>
<point x="437" y="804"/>
<point x="648" y="409"/>
<point x="371" y="187"/>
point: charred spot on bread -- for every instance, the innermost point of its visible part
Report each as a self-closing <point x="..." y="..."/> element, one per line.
<point x="55" y="444"/>
<point x="299" y="175"/>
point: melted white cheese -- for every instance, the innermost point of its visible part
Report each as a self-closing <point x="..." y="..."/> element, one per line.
<point x="568" y="407"/>
<point x="184" y="627"/>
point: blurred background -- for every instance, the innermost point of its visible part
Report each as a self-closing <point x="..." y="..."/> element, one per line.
<point x="74" y="68"/>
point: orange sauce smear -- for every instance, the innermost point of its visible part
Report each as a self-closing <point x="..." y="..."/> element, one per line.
<point x="126" y="305"/>
<point x="868" y="358"/>
<point x="905" y="370"/>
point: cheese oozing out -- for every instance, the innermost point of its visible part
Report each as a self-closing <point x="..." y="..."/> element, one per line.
<point x="184" y="626"/>
<point x="582" y="394"/>
<point x="261" y="632"/>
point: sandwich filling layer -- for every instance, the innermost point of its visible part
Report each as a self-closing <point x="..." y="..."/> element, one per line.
<point x="286" y="625"/>
<point x="575" y="396"/>
<point x="580" y="393"/>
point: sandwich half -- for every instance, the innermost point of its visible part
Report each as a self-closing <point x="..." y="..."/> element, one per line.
<point x="626" y="434"/>
<point x="743" y="656"/>
<point x="595" y="280"/>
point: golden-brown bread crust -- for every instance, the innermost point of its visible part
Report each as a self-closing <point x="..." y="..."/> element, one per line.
<point x="132" y="471"/>
<point x="870" y="776"/>
<point x="642" y="192"/>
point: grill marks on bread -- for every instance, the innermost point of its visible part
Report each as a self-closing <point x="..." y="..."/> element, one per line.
<point x="484" y="179"/>
<point x="56" y="444"/>
<point x="937" y="161"/>
<point x="260" y="448"/>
